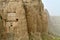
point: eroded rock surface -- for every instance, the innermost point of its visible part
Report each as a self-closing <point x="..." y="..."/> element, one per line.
<point x="23" y="19"/>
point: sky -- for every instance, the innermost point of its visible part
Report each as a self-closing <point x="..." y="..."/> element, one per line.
<point x="53" y="7"/>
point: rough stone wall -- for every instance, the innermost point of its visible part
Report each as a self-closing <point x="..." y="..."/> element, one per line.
<point x="19" y="31"/>
<point x="2" y="29"/>
<point x="32" y="10"/>
<point x="32" y="19"/>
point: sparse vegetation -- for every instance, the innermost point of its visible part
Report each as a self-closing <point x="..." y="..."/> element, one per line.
<point x="49" y="37"/>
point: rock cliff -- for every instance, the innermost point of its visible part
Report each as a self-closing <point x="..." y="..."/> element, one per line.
<point x="23" y="19"/>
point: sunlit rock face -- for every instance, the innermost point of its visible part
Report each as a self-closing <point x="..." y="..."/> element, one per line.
<point x="32" y="12"/>
<point x="15" y="21"/>
<point x="23" y="19"/>
<point x="54" y="25"/>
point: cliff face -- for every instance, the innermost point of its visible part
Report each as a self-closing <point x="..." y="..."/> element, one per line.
<point x="23" y="19"/>
<point x="45" y="17"/>
<point x="32" y="11"/>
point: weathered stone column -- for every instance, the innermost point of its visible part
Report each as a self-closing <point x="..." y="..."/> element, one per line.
<point x="2" y="29"/>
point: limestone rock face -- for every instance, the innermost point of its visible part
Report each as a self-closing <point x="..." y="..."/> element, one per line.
<point x="17" y="27"/>
<point x="32" y="8"/>
<point x="2" y="30"/>
<point x="31" y="13"/>
<point x="23" y="19"/>
<point x="45" y="21"/>
<point x="39" y="19"/>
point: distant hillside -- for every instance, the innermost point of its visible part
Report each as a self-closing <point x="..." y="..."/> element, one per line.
<point x="54" y="25"/>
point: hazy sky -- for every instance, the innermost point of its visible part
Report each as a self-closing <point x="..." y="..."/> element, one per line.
<point x="53" y="6"/>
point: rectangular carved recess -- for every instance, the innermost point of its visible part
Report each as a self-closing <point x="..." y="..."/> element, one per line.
<point x="11" y="17"/>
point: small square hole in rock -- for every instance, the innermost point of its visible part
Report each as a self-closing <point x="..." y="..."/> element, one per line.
<point x="16" y="19"/>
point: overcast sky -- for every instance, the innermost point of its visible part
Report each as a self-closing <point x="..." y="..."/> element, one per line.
<point x="53" y="6"/>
